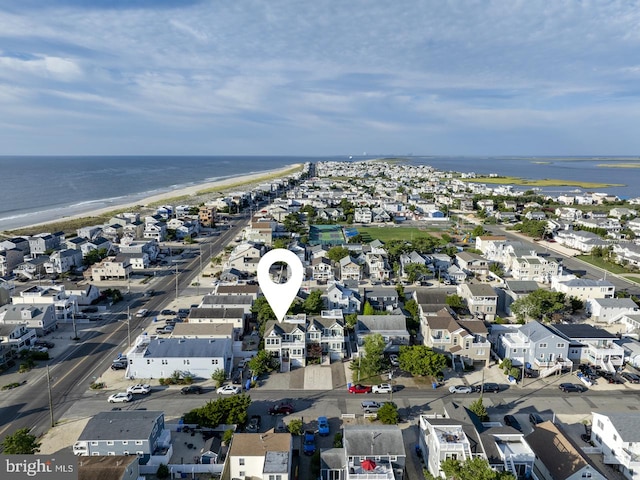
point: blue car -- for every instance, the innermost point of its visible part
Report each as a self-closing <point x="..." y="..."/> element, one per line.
<point x="323" y="426"/>
<point x="309" y="444"/>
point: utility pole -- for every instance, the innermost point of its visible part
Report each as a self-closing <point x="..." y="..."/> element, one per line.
<point x="50" y="398"/>
<point x="176" y="281"/>
<point x="128" y="325"/>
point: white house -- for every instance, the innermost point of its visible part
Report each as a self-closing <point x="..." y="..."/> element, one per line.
<point x="618" y="434"/>
<point x="266" y="456"/>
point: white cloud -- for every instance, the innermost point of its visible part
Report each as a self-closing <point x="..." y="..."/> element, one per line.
<point x="43" y="66"/>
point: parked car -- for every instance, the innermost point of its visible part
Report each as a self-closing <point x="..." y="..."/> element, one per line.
<point x="38" y="348"/>
<point x="281" y="409"/>
<point x="488" y="387"/>
<point x="118" y="366"/>
<point x="358" y="388"/>
<point x="323" y="426"/>
<point x="165" y="329"/>
<point x="382" y="388"/>
<point x="144" y="389"/>
<point x="631" y="377"/>
<point x="394" y="360"/>
<point x="228" y="390"/>
<point x="511" y="421"/>
<point x="370" y="406"/>
<point x="281" y="426"/>
<point x="254" y="423"/>
<point x="142" y="312"/>
<point x="611" y="377"/>
<point x="572" y="387"/>
<point x="121" y="397"/>
<point x="535" y="419"/>
<point x="460" y="389"/>
<point x="189" y="389"/>
<point x="44" y="343"/>
<point x="167" y="312"/>
<point x="309" y="443"/>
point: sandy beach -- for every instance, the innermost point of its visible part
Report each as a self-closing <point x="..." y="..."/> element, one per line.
<point x="183" y="194"/>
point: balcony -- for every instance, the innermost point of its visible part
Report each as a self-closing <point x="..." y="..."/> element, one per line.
<point x="623" y="457"/>
<point x="439" y="340"/>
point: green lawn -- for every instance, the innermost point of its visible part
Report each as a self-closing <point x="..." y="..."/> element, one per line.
<point x="632" y="279"/>
<point x="385" y="234"/>
<point x="599" y="262"/>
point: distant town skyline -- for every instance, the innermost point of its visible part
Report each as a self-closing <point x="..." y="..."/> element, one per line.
<point x="197" y="77"/>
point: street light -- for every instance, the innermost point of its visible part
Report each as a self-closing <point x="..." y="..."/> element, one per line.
<point x="176" y="281"/>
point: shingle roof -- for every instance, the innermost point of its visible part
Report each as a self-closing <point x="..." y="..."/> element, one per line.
<point x="120" y="425"/>
<point x="627" y="425"/>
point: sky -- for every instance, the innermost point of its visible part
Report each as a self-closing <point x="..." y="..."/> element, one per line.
<point x="321" y="77"/>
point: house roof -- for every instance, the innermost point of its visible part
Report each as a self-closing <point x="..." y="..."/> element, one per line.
<point x="616" y="303"/>
<point x="522" y="286"/>
<point x="105" y="467"/>
<point x="373" y="440"/>
<point x="187" y="348"/>
<point x="580" y="330"/>
<point x="535" y="331"/>
<point x="481" y="290"/>
<point x="627" y="425"/>
<point x="557" y="451"/>
<point x="227" y="300"/>
<point x="430" y="297"/>
<point x="237" y="289"/>
<point x="209" y="312"/>
<point x="205" y="329"/>
<point x="378" y="323"/>
<point x="258" y="444"/>
<point x="586" y="282"/>
<point x="121" y="425"/>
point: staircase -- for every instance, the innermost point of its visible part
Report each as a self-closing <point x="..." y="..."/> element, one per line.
<point x="550" y="370"/>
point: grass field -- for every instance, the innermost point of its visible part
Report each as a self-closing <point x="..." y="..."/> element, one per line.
<point x="384" y="234"/>
<point x="599" y="262"/>
<point x="632" y="279"/>
<point x="546" y="182"/>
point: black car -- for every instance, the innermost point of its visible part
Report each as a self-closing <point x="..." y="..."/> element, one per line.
<point x="254" y="423"/>
<point x="197" y="389"/>
<point x="44" y="343"/>
<point x="488" y="387"/>
<point x="167" y="312"/>
<point x="630" y="377"/>
<point x="612" y="378"/>
<point x="572" y="387"/>
<point x="511" y="421"/>
<point x="118" y="366"/>
<point x="535" y="419"/>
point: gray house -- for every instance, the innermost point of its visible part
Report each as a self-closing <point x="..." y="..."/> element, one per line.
<point x="535" y="344"/>
<point x="124" y="432"/>
<point x="393" y="329"/>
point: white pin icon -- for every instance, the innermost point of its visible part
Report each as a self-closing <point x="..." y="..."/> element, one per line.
<point x="280" y="295"/>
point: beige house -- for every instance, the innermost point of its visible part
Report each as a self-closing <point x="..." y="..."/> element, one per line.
<point x="112" y="268"/>
<point x="349" y="269"/>
<point x="263" y="456"/>
<point x="482" y="299"/>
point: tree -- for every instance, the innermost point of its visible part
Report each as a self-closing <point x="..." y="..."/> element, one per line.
<point x="262" y="362"/>
<point x="281" y="242"/>
<point x="480" y="410"/>
<point x="20" y="443"/>
<point x="532" y="228"/>
<point x="374" y="346"/>
<point x="162" y="471"/>
<point x="231" y="410"/>
<point x="313" y="304"/>
<point x="496" y="269"/>
<point x="415" y="271"/>
<point x="368" y="309"/>
<point x="295" y="426"/>
<point x="263" y="310"/>
<point x="350" y="320"/>
<point x="421" y="360"/>
<point x="219" y="377"/>
<point x="539" y="305"/>
<point x="455" y="301"/>
<point x="473" y="468"/>
<point x="388" y="413"/>
<point x="478" y="231"/>
<point x="411" y="306"/>
<point x="293" y="223"/>
<point x="336" y="254"/>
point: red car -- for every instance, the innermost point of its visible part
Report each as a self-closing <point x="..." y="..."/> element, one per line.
<point x="281" y="409"/>
<point x="357" y="388"/>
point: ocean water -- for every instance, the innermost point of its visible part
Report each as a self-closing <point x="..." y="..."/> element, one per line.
<point x="43" y="188"/>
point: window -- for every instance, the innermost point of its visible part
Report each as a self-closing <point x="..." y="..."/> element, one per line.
<point x="241" y="473"/>
<point x="586" y="475"/>
<point x="165" y="362"/>
<point x="126" y="452"/>
<point x="111" y="454"/>
<point x="600" y="425"/>
<point x="148" y="361"/>
<point x="615" y="437"/>
<point x="109" y="442"/>
<point x="241" y="462"/>
<point x="560" y="345"/>
<point x="138" y="442"/>
<point x="186" y="362"/>
<point x="543" y="345"/>
<point x="125" y="442"/>
<point x="214" y="361"/>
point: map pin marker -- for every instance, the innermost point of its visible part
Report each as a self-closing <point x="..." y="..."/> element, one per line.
<point x="280" y="295"/>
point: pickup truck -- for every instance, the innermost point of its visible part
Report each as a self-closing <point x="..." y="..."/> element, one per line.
<point x="165" y="329"/>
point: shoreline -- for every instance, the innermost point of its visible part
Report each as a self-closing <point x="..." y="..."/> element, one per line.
<point x="183" y="194"/>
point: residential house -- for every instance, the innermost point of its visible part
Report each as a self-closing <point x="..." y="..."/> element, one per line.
<point x="382" y="298"/>
<point x="328" y="331"/>
<point x="207" y="215"/>
<point x="393" y="329"/>
<point x="62" y="261"/>
<point x="589" y="344"/>
<point x="368" y="452"/>
<point x="233" y="316"/>
<point x="481" y="299"/>
<point x="16" y="336"/>
<point x="583" y="288"/>
<point x="261" y="230"/>
<point x="346" y="299"/>
<point x="322" y="269"/>
<point x="266" y="456"/>
<point x="514" y="290"/>
<point x="9" y="260"/>
<point x="40" y="317"/>
<point x="111" y="268"/>
<point x="251" y="290"/>
<point x="184" y="228"/>
<point x="580" y="240"/>
<point x="203" y="330"/>
<point x="408" y="259"/>
<point x="627" y="253"/>
<point x="349" y="269"/>
<point x="110" y="467"/>
<point x="126" y="432"/>
<point x="231" y="275"/>
<point x="228" y="301"/>
<point x="533" y="267"/>
<point x="533" y="344"/>
<point x="154" y="229"/>
<point x="287" y="341"/>
<point x="362" y="215"/>
<point x="245" y="257"/>
<point x="472" y="263"/>
<point x="610" y="310"/>
<point x="161" y="357"/>
<point x="489" y="243"/>
<point x="618" y="435"/>
<point x="487" y="205"/>
<point x="97" y="244"/>
<point x="64" y="303"/>
<point x="45" y="242"/>
<point x="378" y="268"/>
<point x="558" y="457"/>
<point x="465" y="341"/>
<point x="535" y="215"/>
<point x="148" y="250"/>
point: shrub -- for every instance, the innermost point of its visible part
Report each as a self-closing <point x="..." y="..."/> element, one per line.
<point x="97" y="385"/>
<point x="295" y="426"/>
<point x="227" y="436"/>
<point x="163" y="471"/>
<point x="337" y="440"/>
